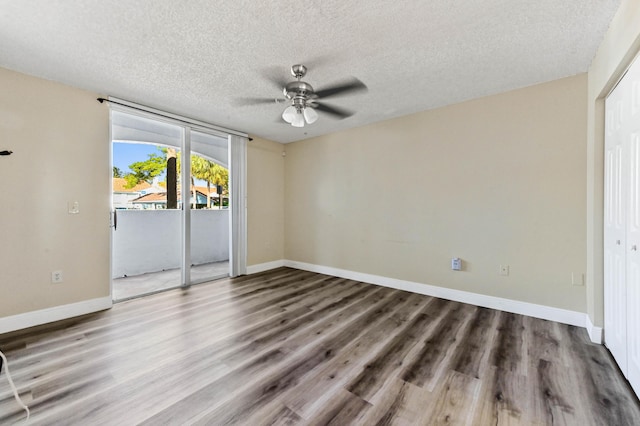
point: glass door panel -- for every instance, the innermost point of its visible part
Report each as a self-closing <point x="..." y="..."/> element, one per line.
<point x="147" y="231"/>
<point x="209" y="236"/>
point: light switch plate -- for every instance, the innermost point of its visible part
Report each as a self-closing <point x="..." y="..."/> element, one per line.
<point x="456" y="264"/>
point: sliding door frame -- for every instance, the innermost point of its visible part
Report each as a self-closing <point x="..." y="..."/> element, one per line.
<point x="185" y="196"/>
<point x="237" y="182"/>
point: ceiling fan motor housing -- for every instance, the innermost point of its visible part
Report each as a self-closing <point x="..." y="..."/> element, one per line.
<point x="299" y="92"/>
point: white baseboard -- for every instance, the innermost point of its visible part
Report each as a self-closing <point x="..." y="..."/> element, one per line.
<point x="514" y="306"/>
<point x="261" y="267"/>
<point x="595" y="333"/>
<point x="56" y="313"/>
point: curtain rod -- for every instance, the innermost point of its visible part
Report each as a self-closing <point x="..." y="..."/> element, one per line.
<point x="171" y="117"/>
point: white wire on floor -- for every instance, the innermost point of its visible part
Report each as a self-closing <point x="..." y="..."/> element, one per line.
<point x="5" y="363"/>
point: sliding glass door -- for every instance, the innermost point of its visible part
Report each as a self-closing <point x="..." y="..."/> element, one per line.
<point x="209" y="207"/>
<point x="170" y="203"/>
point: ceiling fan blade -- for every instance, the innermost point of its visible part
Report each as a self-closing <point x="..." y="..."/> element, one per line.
<point x="338" y="112"/>
<point x="353" y="85"/>
<point x="257" y="101"/>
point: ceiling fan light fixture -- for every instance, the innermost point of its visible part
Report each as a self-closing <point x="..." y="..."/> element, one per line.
<point x="298" y="121"/>
<point x="310" y="115"/>
<point x="302" y="98"/>
<point x="289" y="114"/>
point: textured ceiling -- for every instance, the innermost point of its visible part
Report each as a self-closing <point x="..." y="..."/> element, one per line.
<point x="199" y="58"/>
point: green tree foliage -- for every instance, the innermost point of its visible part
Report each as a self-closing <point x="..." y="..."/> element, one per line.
<point x="146" y="170"/>
<point x="132" y="181"/>
<point x="212" y="173"/>
<point x="201" y="168"/>
<point x="117" y="173"/>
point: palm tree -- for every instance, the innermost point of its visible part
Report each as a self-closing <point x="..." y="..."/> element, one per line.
<point x="172" y="179"/>
<point x="210" y="172"/>
<point x="194" y="172"/>
<point x="199" y="171"/>
<point x="220" y="177"/>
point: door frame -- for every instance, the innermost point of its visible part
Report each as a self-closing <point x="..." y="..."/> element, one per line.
<point x="237" y="183"/>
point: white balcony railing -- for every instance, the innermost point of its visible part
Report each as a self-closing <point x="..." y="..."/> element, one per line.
<point x="150" y="240"/>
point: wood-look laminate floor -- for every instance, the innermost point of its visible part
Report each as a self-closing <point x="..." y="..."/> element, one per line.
<point x="293" y="347"/>
<point x="154" y="282"/>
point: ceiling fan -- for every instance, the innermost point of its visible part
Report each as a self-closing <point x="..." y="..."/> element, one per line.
<point x="304" y="100"/>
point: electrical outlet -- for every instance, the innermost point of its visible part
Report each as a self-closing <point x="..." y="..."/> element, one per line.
<point x="73" y="207"/>
<point x="504" y="270"/>
<point x="56" y="277"/>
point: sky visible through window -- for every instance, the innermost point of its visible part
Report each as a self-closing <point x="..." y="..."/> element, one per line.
<point x="128" y="153"/>
<point x="125" y="154"/>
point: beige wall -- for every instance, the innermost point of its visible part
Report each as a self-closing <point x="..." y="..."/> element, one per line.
<point x="498" y="180"/>
<point x="620" y="45"/>
<point x="60" y="139"/>
<point x="495" y="180"/>
<point x="265" y="201"/>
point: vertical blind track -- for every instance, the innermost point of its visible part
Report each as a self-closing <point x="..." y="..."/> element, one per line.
<point x="174" y="117"/>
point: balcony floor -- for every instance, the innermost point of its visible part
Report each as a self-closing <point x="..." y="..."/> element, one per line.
<point x="154" y="282"/>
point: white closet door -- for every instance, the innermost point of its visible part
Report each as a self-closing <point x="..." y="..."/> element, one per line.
<point x="615" y="230"/>
<point x="622" y="225"/>
<point x="631" y="135"/>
